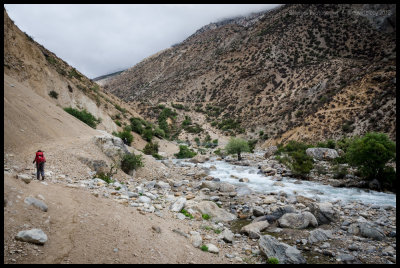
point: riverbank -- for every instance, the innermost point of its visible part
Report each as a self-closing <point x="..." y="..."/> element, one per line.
<point x="242" y="225"/>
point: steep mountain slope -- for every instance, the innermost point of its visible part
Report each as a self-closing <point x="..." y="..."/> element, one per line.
<point x="43" y="72"/>
<point x="307" y="72"/>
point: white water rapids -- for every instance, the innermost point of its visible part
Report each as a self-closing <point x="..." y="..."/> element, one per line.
<point x="264" y="184"/>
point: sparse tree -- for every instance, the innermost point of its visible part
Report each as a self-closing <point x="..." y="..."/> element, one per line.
<point x="237" y="146"/>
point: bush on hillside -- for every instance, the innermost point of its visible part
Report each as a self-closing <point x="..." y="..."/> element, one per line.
<point x="184" y="152"/>
<point x="125" y="136"/>
<point x="131" y="162"/>
<point x="53" y="94"/>
<point x="84" y="116"/>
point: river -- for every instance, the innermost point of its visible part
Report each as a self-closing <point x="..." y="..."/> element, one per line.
<point x="265" y="184"/>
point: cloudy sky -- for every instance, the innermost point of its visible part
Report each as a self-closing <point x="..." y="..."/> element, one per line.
<point x="101" y="39"/>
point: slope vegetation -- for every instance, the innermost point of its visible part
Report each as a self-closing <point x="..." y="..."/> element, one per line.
<point x="307" y="72"/>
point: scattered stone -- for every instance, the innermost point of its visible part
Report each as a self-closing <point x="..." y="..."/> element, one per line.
<point x="36" y="203"/>
<point x="279" y="212"/>
<point x="25" y="178"/>
<point x="178" y="205"/>
<point x="35" y="236"/>
<point x="216" y="213"/>
<point x="156" y="229"/>
<point x="195" y="239"/>
<point x="228" y="235"/>
<point x="285" y="253"/>
<point x="212" y="248"/>
<point x="258" y="211"/>
<point x="366" y="229"/>
<point x="144" y="199"/>
<point x="298" y="220"/>
<point x="254" y="229"/>
<point x="324" y="212"/>
<point x="319" y="235"/>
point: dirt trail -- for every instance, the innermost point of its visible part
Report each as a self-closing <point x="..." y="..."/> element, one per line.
<point x="81" y="227"/>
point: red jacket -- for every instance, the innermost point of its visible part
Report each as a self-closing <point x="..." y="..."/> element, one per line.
<point x="39" y="158"/>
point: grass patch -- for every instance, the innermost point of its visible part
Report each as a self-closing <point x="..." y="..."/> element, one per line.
<point x="187" y="214"/>
<point x="204" y="248"/>
<point x="206" y="216"/>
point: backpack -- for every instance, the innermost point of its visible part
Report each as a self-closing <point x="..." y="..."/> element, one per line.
<point x="40" y="157"/>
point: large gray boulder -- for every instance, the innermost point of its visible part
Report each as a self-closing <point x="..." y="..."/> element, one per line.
<point x="110" y="145"/>
<point x="298" y="220"/>
<point x="217" y="214"/>
<point x="254" y="229"/>
<point x="286" y="254"/>
<point x="178" y="205"/>
<point x="279" y="212"/>
<point x="213" y="186"/>
<point x="324" y="212"/>
<point x="226" y="187"/>
<point x="35" y="236"/>
<point x="322" y="153"/>
<point x="366" y="229"/>
<point x="318" y="235"/>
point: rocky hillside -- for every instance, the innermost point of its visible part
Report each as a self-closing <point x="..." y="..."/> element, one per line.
<point x="303" y="72"/>
<point x="56" y="81"/>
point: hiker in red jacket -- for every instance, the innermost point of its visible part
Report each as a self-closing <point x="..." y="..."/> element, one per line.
<point x="40" y="160"/>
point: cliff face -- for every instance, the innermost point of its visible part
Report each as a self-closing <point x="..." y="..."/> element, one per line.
<point x="308" y="72"/>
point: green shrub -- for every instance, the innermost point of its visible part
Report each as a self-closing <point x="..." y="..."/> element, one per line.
<point x="119" y="108"/>
<point x="137" y="125"/>
<point x="237" y="146"/>
<point x="296" y="158"/>
<point x="205" y="216"/>
<point x="104" y="177"/>
<point x="272" y="261"/>
<point x="218" y="152"/>
<point x="252" y="145"/>
<point x="84" y="116"/>
<point x="339" y="171"/>
<point x="53" y="94"/>
<point x="197" y="140"/>
<point x="184" y="152"/>
<point x="125" y="135"/>
<point x="151" y="148"/>
<point x="370" y="154"/>
<point x="158" y="132"/>
<point x="148" y="134"/>
<point x="74" y="73"/>
<point x="204" y="248"/>
<point x="328" y="144"/>
<point x="131" y="162"/>
<point x="195" y="129"/>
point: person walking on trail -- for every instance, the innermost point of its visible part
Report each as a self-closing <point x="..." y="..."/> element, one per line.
<point x="40" y="160"/>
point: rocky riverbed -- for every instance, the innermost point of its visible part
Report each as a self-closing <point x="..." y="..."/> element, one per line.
<point x="246" y="226"/>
